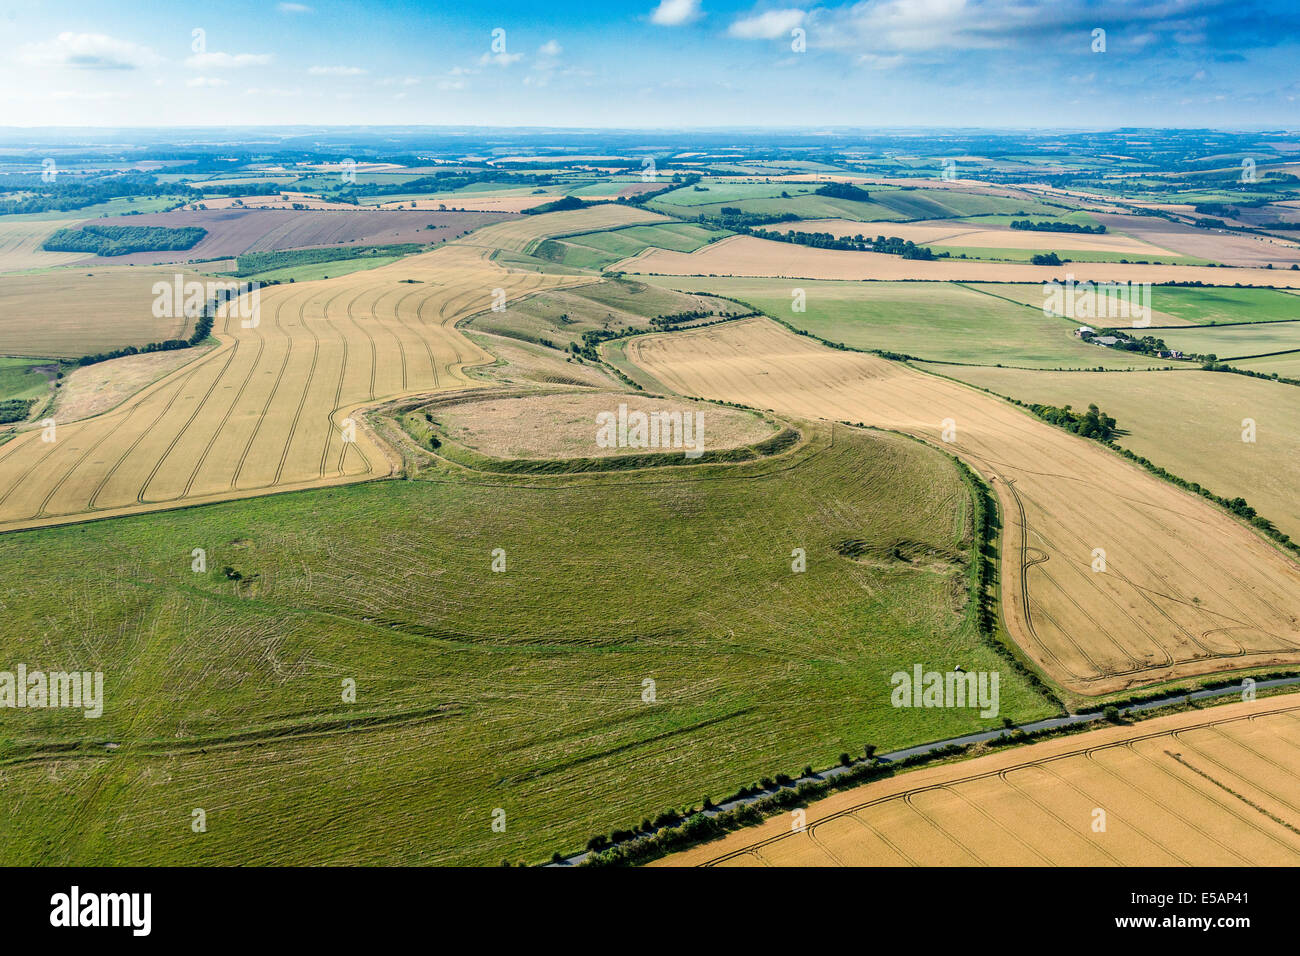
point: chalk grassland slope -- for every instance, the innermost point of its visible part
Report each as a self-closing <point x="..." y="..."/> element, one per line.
<point x="1205" y="788"/>
<point x="476" y="690"/>
<point x="267" y="410"/>
<point x="1187" y="590"/>
<point x="1189" y="422"/>
<point x="235" y="231"/>
<point x="928" y="320"/>
<point x="596" y="250"/>
<point x="959" y="233"/>
<point x="93" y="389"/>
<point x="560" y="318"/>
<point x="20" y="245"/>
<point x="749" y="256"/>
<point x="527" y="232"/>
<point x="67" y="314"/>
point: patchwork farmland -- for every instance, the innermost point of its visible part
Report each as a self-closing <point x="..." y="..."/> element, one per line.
<point x="1186" y="589"/>
<point x="405" y="566"/>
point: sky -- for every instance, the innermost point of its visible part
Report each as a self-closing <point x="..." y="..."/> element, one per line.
<point x="652" y="63"/>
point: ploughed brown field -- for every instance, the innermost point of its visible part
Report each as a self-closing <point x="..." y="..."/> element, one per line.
<point x="750" y="256"/>
<point x="1233" y="249"/>
<point x="1186" y="589"/>
<point x="952" y="232"/>
<point x="1203" y="788"/>
<point x="233" y="231"/>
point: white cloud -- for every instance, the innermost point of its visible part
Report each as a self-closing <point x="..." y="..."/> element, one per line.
<point x="674" y="13"/>
<point x="451" y="84"/>
<point x="550" y="48"/>
<point x="206" y="81"/>
<point x="226" y="61"/>
<point x="337" y="71"/>
<point x="88" y="51"/>
<point x="876" y="62"/>
<point x="499" y="59"/>
<point x="293" y="8"/>
<point x="767" y="26"/>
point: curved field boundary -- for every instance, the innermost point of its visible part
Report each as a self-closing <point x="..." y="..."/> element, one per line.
<point x="524" y="234"/>
<point x="1186" y="589"/>
<point x="274" y="407"/>
<point x="1191" y="789"/>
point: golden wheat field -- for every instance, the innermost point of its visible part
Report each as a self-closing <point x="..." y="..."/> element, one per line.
<point x="749" y="256"/>
<point x="1185" y="589"/>
<point x="275" y="407"/>
<point x="1216" y="788"/>
<point x="20" y="245"/>
<point x="69" y="312"/>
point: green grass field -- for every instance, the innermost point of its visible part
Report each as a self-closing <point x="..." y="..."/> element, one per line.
<point x="596" y="250"/>
<point x="941" y="321"/>
<point x="477" y="690"/>
<point x="1210" y="306"/>
<point x="114" y="207"/>
<point x="1229" y="341"/>
<point x="19" y="377"/>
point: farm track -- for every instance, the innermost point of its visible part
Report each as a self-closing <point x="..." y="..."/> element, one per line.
<point x="1190" y="789"/>
<point x="1187" y="589"/>
<point x="263" y="412"/>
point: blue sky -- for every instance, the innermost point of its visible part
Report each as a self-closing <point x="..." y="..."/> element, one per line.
<point x="653" y="63"/>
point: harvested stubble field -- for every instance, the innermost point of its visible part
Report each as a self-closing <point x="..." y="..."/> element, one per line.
<point x="266" y="411"/>
<point x="1187" y="421"/>
<point x="233" y="231"/>
<point x="1210" y="787"/>
<point x="750" y="256"/>
<point x="68" y="314"/>
<point x="1187" y="589"/>
<point x="1233" y="249"/>
<point x="476" y="690"/>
